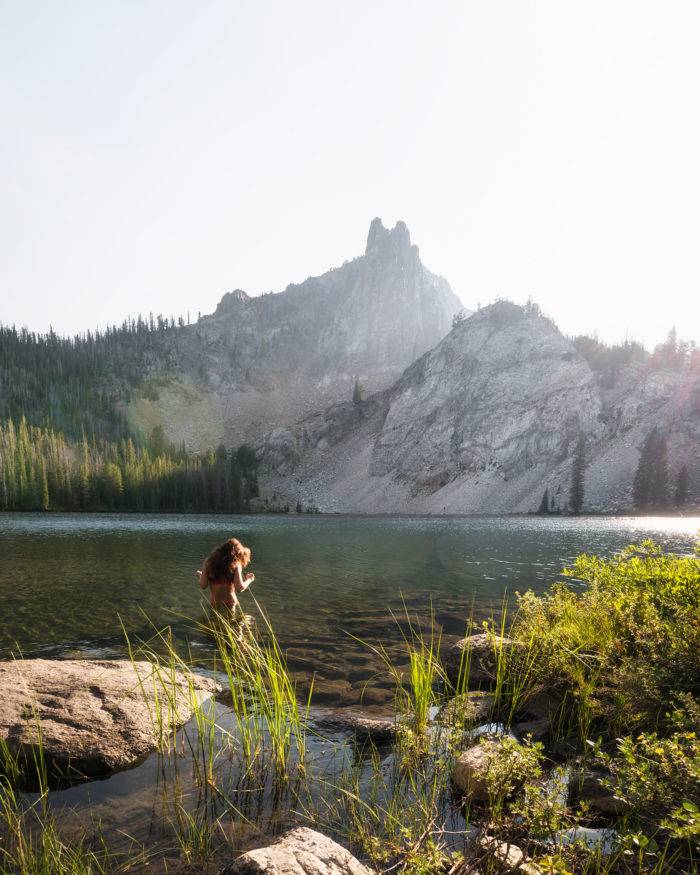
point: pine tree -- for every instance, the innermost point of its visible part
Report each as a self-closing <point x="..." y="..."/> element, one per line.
<point x="680" y="496"/>
<point x="357" y="392"/>
<point x="544" y="504"/>
<point x="650" y="488"/>
<point x="576" y="493"/>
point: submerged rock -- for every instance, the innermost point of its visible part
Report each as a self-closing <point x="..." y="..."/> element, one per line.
<point x="478" y="654"/>
<point x="302" y="851"/>
<point x="377" y="729"/>
<point x="93" y="717"/>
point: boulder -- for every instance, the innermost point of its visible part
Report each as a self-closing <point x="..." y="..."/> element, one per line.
<point x="94" y="716"/>
<point x="302" y="851"/>
<point x="586" y="786"/>
<point x="479" y="653"/>
<point x="467" y="709"/>
<point x="471" y="768"/>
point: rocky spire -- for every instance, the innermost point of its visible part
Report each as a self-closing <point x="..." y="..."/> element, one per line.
<point x="381" y="241"/>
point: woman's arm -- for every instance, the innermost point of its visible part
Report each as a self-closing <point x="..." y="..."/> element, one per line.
<point x="203" y="578"/>
<point x="239" y="584"/>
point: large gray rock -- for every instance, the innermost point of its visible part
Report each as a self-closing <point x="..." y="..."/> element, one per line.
<point x="471" y="768"/>
<point x="302" y="851"/>
<point x="93" y="716"/>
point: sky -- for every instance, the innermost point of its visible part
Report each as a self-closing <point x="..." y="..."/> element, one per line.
<point x="155" y="155"/>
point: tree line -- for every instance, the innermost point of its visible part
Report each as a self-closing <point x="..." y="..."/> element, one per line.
<point x="652" y="489"/>
<point x="41" y="469"/>
<point x="80" y="384"/>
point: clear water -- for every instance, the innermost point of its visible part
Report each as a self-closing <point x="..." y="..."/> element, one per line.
<point x="68" y="582"/>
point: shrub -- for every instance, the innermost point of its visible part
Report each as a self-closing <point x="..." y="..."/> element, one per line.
<point x="620" y="650"/>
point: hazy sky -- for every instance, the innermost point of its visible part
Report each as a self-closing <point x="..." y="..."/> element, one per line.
<point x="155" y="155"/>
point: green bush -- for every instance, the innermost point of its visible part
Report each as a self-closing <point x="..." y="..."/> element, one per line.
<point x="620" y="650"/>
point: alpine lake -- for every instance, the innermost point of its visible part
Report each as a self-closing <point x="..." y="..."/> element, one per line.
<point x="334" y="589"/>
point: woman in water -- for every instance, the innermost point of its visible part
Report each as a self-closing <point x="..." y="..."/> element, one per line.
<point x="223" y="574"/>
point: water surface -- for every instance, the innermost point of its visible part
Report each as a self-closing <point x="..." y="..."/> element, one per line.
<point x="69" y="581"/>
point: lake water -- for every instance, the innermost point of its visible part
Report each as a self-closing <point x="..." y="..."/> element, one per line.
<point x="68" y="581"/>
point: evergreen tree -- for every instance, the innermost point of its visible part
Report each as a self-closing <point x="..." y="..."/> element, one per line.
<point x="544" y="504"/>
<point x="650" y="488"/>
<point x="357" y="392"/>
<point x="680" y="496"/>
<point x="40" y="469"/>
<point x="576" y="493"/>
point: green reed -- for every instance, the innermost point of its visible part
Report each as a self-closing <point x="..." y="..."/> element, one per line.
<point x="263" y="696"/>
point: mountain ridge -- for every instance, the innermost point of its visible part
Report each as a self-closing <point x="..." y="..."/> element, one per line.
<point x="484" y="423"/>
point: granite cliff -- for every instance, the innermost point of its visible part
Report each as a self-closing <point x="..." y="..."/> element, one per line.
<point x="484" y="422"/>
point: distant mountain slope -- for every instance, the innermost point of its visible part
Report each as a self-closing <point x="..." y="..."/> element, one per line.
<point x="485" y="422"/>
<point x="260" y="361"/>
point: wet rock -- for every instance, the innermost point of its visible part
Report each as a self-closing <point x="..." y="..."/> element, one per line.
<point x="586" y="786"/>
<point x="467" y="709"/>
<point x="302" y="851"/>
<point x="543" y="705"/>
<point x="334" y="692"/>
<point x="537" y="729"/>
<point x="479" y="654"/>
<point x="378" y="729"/>
<point x="95" y="716"/>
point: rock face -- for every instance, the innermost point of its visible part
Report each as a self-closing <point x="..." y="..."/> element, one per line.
<point x="257" y="362"/>
<point x="484" y="422"/>
<point x="95" y="717"/>
<point x="302" y="851"/>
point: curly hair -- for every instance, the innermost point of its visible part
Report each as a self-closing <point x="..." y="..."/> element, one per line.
<point x="221" y="563"/>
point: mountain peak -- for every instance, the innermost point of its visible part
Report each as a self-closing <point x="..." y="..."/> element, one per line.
<point x="231" y="301"/>
<point x="381" y="240"/>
